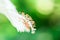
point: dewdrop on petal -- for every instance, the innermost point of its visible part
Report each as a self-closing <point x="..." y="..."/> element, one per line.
<point x="32" y="27"/>
<point x="30" y="23"/>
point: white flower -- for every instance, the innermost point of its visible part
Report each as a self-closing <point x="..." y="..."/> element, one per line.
<point x="21" y="23"/>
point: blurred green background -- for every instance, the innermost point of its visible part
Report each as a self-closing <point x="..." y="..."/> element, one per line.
<point x="44" y="30"/>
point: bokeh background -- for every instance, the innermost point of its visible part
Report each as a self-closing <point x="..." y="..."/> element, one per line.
<point x="44" y="31"/>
